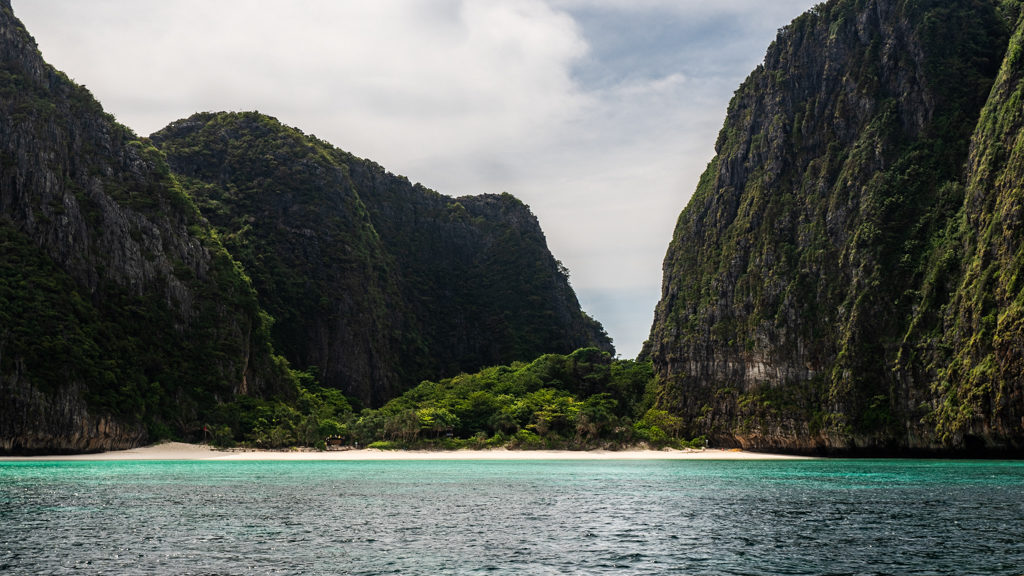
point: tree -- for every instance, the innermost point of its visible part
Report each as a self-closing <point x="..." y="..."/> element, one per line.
<point x="437" y="420"/>
<point x="403" y="426"/>
<point x="597" y="414"/>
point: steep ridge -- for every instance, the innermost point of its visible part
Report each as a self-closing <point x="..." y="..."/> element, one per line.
<point x="477" y="272"/>
<point x="287" y="210"/>
<point x="120" y="313"/>
<point x="973" y="354"/>
<point x="795" y="297"/>
<point x="376" y="282"/>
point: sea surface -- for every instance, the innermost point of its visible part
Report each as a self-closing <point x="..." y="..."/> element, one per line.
<point x="514" y="517"/>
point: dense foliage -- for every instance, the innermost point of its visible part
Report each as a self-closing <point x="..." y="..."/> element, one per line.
<point x="126" y="350"/>
<point x="576" y="401"/>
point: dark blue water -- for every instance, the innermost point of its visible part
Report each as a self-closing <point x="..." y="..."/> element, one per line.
<point x="458" y="517"/>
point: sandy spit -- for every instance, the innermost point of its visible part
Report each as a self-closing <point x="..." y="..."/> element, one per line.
<point x="182" y="451"/>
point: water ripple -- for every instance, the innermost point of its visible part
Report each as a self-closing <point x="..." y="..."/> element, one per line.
<point x="623" y="518"/>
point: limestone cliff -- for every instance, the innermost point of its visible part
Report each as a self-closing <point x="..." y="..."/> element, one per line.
<point x="805" y="290"/>
<point x="120" y="313"/>
<point x="476" y="272"/>
<point x="968" y="330"/>
<point x="376" y="282"/>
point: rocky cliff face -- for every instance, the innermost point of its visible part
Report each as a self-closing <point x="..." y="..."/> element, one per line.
<point x="476" y="272"/>
<point x="376" y="282"/>
<point x="969" y="328"/>
<point x="806" y="291"/>
<point x="121" y="312"/>
<point x="287" y="209"/>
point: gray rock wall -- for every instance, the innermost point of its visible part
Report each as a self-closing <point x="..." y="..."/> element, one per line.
<point x="796" y="270"/>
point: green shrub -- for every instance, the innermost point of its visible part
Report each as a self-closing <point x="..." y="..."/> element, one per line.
<point x="383" y="445"/>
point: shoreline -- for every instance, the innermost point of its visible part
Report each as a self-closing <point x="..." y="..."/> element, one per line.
<point x="196" y="452"/>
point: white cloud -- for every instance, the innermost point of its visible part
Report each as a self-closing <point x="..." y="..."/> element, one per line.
<point x="751" y="10"/>
<point x="600" y="115"/>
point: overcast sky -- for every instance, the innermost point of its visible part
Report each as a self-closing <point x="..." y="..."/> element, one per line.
<point x="599" y="114"/>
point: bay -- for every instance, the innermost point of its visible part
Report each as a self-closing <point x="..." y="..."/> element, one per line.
<point x="513" y="517"/>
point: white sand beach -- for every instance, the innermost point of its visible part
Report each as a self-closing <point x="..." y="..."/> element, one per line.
<point x="183" y="451"/>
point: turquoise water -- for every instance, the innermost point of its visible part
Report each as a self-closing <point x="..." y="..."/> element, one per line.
<point x="538" y="517"/>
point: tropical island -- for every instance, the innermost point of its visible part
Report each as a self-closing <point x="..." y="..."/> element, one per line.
<point x="847" y="278"/>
